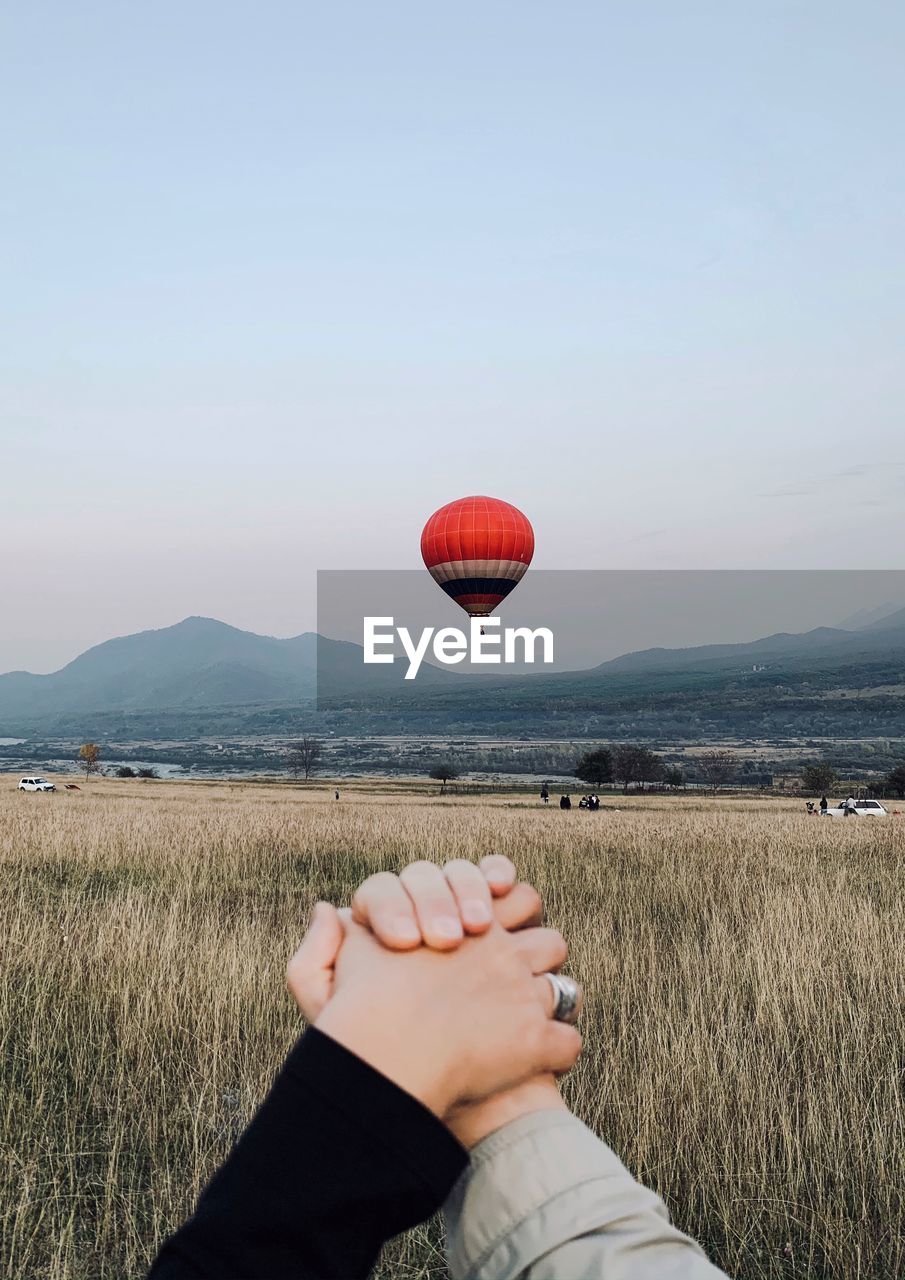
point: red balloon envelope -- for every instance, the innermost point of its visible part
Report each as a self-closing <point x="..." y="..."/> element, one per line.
<point x="477" y="549"/>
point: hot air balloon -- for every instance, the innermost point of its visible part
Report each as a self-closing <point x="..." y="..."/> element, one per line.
<point x="477" y="549"/>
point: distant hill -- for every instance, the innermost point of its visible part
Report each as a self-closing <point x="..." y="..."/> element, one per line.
<point x="863" y="618"/>
<point x="889" y="622"/>
<point x="197" y="664"/>
<point x="202" y="676"/>
<point x="787" y="649"/>
<point x="718" y="656"/>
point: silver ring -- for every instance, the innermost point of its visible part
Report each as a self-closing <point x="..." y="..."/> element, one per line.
<point x="567" y="995"/>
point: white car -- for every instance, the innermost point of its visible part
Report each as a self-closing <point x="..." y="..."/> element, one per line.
<point x="863" y="809"/>
<point x="35" y="784"/>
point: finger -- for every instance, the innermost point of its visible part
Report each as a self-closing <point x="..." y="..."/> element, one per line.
<point x="543" y="949"/>
<point x="558" y="1047"/>
<point x="498" y="872"/>
<point x="309" y="974"/>
<point x="519" y="909"/>
<point x="384" y="907"/>
<point x="472" y="894"/>
<point x="322" y="941"/>
<point x="436" y="910"/>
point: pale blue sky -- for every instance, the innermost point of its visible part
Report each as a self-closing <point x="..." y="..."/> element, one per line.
<point x="282" y="278"/>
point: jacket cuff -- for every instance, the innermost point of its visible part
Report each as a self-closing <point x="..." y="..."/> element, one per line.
<point x="378" y="1107"/>
<point x="535" y="1185"/>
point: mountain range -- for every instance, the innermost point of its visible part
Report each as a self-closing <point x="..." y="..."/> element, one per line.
<point x="878" y="636"/>
<point x="196" y="664"/>
<point x="201" y="666"/>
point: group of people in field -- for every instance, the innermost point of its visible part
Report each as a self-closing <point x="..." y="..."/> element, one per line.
<point x="591" y="802"/>
<point x="849" y="807"/>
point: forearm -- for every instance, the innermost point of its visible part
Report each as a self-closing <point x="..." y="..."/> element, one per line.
<point x="336" y="1161"/>
<point x="544" y="1199"/>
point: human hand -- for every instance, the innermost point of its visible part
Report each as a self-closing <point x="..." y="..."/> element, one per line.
<point x="440" y="907"/>
<point x="311" y="977"/>
<point x="448" y="1028"/>
<point x="400" y="911"/>
<point x="423" y="904"/>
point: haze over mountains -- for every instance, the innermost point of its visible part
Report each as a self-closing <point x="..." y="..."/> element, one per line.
<point x="198" y="663"/>
<point x="202" y="665"/>
<point x="877" y="636"/>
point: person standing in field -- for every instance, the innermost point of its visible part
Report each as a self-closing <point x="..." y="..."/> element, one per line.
<point x="824" y="805"/>
<point x="848" y="809"/>
<point x="545" y="793"/>
<point x="565" y="802"/>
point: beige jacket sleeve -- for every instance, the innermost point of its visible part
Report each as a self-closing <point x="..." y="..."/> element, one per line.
<point x="544" y="1199"/>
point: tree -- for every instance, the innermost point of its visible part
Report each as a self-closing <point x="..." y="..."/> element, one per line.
<point x="895" y="781"/>
<point x="651" y="767"/>
<point x="147" y="773"/>
<point x="125" y="771"/>
<point x="89" y="754"/>
<point x="595" y="767"/>
<point x="818" y="778"/>
<point x="635" y="764"/>
<point x="443" y="773"/>
<point x="718" y="767"/>
<point x="673" y="776"/>
<point x="303" y="757"/>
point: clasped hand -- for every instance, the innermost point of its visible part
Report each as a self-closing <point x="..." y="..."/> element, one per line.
<point x="434" y="979"/>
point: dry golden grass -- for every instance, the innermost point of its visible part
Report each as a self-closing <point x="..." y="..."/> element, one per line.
<point x="744" y="1028"/>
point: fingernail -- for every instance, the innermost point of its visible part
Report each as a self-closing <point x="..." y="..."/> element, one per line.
<point x="405" y="929"/>
<point x="447" y="927"/>
<point x="497" y="877"/>
<point x="476" y="911"/>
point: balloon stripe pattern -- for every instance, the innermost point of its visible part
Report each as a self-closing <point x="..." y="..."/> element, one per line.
<point x="477" y="549"/>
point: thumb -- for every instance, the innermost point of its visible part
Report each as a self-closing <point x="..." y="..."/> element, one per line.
<point x="310" y="971"/>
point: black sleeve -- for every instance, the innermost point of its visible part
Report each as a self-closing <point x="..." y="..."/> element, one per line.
<point x="336" y="1161"/>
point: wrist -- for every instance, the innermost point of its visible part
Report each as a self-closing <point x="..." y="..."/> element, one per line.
<point x="394" y="1054"/>
<point x="474" y="1122"/>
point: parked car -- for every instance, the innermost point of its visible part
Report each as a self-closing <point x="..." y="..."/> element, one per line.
<point x="863" y="809"/>
<point x="35" y="784"/>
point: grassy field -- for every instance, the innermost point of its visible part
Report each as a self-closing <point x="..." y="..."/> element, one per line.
<point x="744" y="1036"/>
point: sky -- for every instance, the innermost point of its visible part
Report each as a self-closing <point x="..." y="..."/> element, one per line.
<point x="280" y="279"/>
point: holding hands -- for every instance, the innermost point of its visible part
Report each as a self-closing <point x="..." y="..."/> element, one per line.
<point x="437" y="987"/>
<point x="442" y="981"/>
